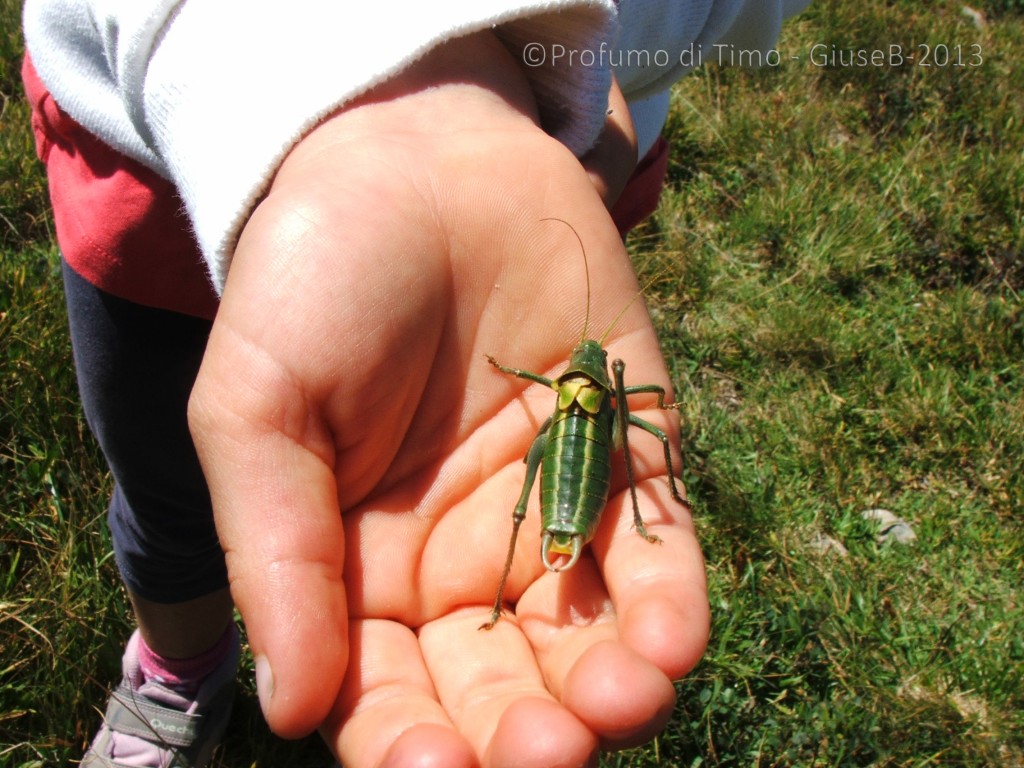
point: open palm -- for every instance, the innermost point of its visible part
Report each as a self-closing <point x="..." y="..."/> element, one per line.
<point x="364" y="458"/>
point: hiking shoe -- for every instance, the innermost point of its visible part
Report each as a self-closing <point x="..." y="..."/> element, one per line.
<point x="148" y="725"/>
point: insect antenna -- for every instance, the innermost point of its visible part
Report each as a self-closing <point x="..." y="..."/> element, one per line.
<point x="586" y="270"/>
<point x="640" y="292"/>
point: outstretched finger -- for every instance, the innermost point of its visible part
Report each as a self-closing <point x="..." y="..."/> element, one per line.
<point x="659" y="589"/>
<point x="495" y="695"/>
<point x="388" y="709"/>
<point x="620" y="695"/>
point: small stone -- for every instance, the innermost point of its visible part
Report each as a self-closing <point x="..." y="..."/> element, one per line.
<point x="977" y="17"/>
<point x="890" y="527"/>
<point x="823" y="544"/>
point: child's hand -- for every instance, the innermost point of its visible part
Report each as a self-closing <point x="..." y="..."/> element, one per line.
<point x="364" y="458"/>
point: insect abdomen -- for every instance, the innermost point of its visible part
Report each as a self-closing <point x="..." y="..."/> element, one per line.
<point x="575" y="476"/>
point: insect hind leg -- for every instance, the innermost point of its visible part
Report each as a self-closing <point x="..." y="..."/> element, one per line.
<point x="625" y="419"/>
<point x="636" y="421"/>
<point x="532" y="460"/>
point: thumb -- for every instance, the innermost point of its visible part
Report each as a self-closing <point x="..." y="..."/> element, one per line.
<point x="268" y="462"/>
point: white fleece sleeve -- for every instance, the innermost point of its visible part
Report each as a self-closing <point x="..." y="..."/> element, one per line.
<point x="212" y="95"/>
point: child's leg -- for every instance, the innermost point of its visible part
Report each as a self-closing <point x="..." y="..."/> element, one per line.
<point x="136" y="367"/>
<point x="186" y="629"/>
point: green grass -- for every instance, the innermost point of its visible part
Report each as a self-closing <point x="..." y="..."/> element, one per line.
<point x="845" y="328"/>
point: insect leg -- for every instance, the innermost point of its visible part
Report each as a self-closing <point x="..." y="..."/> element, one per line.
<point x="533" y="459"/>
<point x="640" y="389"/>
<point x="622" y="422"/>
<point x="636" y="421"/>
<point x="519" y="372"/>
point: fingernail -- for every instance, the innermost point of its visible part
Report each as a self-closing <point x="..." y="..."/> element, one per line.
<point x="264" y="683"/>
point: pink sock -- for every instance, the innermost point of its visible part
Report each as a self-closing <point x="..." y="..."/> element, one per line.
<point x="185" y="675"/>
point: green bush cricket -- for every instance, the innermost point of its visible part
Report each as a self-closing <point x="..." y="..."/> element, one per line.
<point x="573" y="451"/>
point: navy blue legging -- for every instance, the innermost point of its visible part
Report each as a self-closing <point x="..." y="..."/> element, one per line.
<point x="136" y="366"/>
